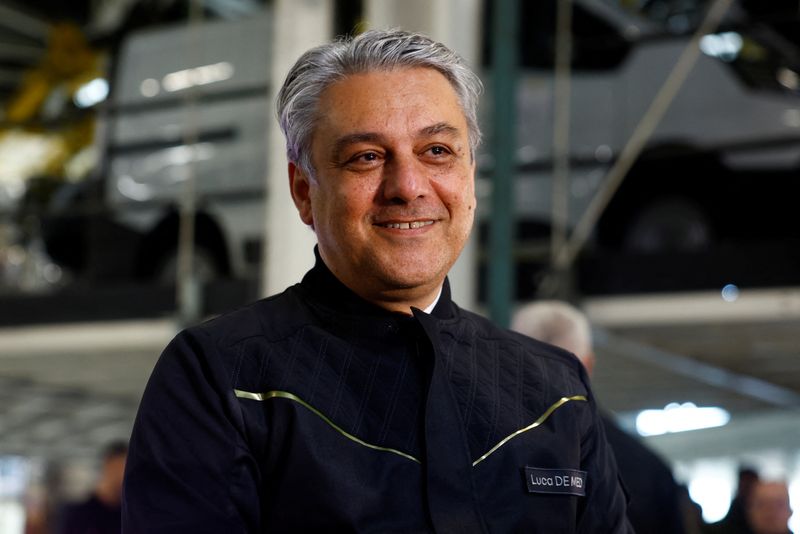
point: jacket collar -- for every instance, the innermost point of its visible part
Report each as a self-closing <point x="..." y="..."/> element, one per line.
<point x="322" y="286"/>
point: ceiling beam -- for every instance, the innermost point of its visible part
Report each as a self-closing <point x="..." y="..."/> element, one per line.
<point x="23" y="24"/>
<point x="20" y="53"/>
<point x="739" y="384"/>
<point x="760" y="305"/>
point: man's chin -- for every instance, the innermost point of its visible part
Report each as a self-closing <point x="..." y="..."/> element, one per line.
<point x="410" y="280"/>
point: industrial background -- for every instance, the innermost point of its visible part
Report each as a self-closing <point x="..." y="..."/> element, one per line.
<point x="641" y="160"/>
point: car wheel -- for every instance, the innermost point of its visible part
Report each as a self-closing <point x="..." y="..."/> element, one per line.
<point x="669" y="225"/>
<point x="206" y="268"/>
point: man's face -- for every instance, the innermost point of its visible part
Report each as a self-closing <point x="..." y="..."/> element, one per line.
<point x="393" y="199"/>
<point x="113" y="474"/>
<point x="768" y="511"/>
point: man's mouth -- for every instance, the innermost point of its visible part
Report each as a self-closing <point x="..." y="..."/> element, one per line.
<point x="406" y="225"/>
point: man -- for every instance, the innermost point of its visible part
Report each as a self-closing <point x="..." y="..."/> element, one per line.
<point x="735" y="521"/>
<point x="768" y="509"/>
<point x="363" y="399"/>
<point x="100" y="513"/>
<point x="655" y="505"/>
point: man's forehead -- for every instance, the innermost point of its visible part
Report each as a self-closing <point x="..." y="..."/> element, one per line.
<point x="376" y="105"/>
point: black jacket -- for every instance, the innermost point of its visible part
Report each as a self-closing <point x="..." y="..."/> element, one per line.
<point x="316" y="411"/>
<point x="655" y="504"/>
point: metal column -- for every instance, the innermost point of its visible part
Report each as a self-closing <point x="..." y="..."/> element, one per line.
<point x="288" y="247"/>
<point x="502" y="280"/>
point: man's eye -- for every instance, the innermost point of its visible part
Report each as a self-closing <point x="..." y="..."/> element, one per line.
<point x="363" y="160"/>
<point x="365" y="157"/>
<point x="438" y="150"/>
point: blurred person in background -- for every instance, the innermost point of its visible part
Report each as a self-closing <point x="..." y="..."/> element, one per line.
<point x="735" y="521"/>
<point x="100" y="513"/>
<point x="363" y="398"/>
<point x="768" y="509"/>
<point x="655" y="505"/>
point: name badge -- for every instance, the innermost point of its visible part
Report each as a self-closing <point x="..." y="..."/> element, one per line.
<point x="564" y="481"/>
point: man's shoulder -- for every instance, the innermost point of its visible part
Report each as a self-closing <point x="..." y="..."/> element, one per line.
<point x="271" y="318"/>
<point x="511" y="341"/>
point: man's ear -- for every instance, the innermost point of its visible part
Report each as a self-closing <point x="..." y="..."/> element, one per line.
<point x="588" y="361"/>
<point x="473" y="169"/>
<point x="301" y="193"/>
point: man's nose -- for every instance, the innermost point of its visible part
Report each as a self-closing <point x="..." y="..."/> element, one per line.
<point x="405" y="179"/>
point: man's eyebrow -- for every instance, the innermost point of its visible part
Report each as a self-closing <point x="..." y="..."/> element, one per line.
<point x="439" y="127"/>
<point x="346" y="140"/>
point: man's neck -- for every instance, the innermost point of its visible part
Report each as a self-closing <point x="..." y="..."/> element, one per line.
<point x="404" y="303"/>
<point x="396" y="300"/>
<point x="432" y="305"/>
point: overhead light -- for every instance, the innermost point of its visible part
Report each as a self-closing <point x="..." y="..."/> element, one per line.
<point x="730" y="293"/>
<point x="132" y="189"/>
<point x="149" y="87"/>
<point x="680" y="418"/>
<point x="725" y="46"/>
<point x="603" y="153"/>
<point x="791" y="118"/>
<point x="91" y="93"/>
<point x="713" y="493"/>
<point x="14" y="475"/>
<point x="788" y="78"/>
<point x="204" y="75"/>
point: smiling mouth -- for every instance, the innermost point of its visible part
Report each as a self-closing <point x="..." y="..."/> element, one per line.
<point x="406" y="225"/>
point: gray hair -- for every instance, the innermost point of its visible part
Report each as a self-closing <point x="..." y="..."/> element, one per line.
<point x="374" y="50"/>
<point x="557" y="323"/>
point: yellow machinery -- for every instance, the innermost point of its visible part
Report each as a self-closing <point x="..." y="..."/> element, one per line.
<point x="48" y="122"/>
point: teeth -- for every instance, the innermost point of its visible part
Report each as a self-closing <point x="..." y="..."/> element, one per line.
<point x="408" y="226"/>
